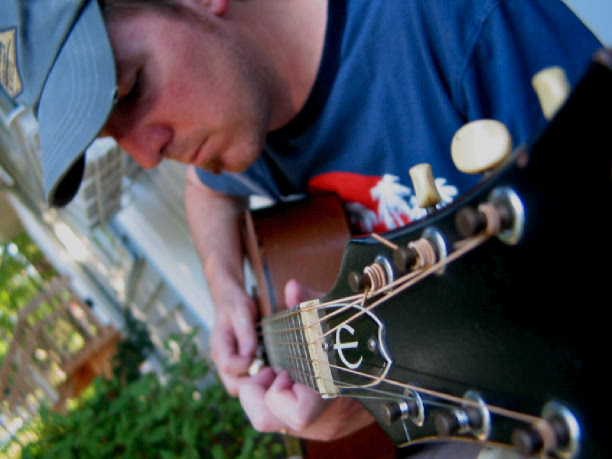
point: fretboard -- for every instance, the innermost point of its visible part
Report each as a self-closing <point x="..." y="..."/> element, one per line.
<point x="287" y="347"/>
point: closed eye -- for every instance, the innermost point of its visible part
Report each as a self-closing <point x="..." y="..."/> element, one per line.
<point x="130" y="97"/>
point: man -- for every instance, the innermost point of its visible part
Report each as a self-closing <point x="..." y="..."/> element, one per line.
<point x="281" y="98"/>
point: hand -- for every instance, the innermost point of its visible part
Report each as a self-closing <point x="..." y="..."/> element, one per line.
<point x="273" y="402"/>
<point x="233" y="340"/>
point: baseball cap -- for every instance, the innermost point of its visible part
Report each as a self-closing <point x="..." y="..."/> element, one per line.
<point x="56" y="58"/>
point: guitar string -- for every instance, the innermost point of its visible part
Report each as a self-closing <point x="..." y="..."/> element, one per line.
<point x="420" y="275"/>
<point x="403" y="284"/>
<point x="388" y="290"/>
<point x="461" y="247"/>
<point x="352" y="301"/>
<point x="493" y="226"/>
<point x="530" y="419"/>
<point x="361" y="296"/>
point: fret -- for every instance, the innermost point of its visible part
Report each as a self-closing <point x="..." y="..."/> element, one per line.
<point x="299" y="347"/>
<point x="270" y="339"/>
<point x="306" y="374"/>
<point x="281" y="334"/>
<point x="319" y="359"/>
<point x="309" y="371"/>
<point x="291" y="351"/>
<point x="287" y="347"/>
<point x="281" y="338"/>
<point x="290" y="363"/>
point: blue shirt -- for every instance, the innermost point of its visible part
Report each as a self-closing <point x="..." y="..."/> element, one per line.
<point x="396" y="81"/>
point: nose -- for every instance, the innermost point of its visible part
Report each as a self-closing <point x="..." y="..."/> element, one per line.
<point x="145" y="144"/>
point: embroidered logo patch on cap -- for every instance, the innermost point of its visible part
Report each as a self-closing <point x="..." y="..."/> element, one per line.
<point x="9" y="72"/>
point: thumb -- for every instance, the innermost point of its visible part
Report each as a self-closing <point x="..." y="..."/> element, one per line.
<point x="296" y="293"/>
<point x="245" y="332"/>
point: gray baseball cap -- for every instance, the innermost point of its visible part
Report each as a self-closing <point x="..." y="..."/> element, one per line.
<point x="56" y="58"/>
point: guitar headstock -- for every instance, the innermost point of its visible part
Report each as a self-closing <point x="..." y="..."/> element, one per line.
<point x="481" y="321"/>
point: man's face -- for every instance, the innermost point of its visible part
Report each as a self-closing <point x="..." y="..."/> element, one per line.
<point x="188" y="91"/>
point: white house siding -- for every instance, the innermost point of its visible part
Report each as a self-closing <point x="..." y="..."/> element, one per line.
<point x="139" y="256"/>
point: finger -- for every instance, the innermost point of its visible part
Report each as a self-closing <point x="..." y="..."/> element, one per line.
<point x="264" y="378"/>
<point x="233" y="383"/>
<point x="296" y="293"/>
<point x="282" y="382"/>
<point x="252" y="397"/>
<point x="292" y="403"/>
<point x="232" y="367"/>
<point x="246" y="334"/>
<point x="224" y="352"/>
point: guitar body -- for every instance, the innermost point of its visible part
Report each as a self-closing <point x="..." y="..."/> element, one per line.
<point x="503" y="342"/>
<point x="288" y="242"/>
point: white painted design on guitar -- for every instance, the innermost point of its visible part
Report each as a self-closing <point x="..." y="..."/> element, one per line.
<point x="340" y="346"/>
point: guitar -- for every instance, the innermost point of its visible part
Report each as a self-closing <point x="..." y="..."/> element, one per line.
<point x="288" y="241"/>
<point x="484" y="322"/>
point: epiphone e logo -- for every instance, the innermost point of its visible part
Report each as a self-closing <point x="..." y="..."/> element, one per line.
<point x="340" y="346"/>
<point x="358" y="345"/>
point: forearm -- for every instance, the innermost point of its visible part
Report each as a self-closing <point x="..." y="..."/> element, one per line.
<point x="214" y="223"/>
<point x="213" y="220"/>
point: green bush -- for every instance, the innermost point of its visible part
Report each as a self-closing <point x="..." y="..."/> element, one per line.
<point x="186" y="414"/>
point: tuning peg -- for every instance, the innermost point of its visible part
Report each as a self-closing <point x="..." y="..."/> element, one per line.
<point x="557" y="431"/>
<point x="553" y="88"/>
<point x="470" y="221"/>
<point x="480" y="146"/>
<point x="425" y="186"/>
<point x="460" y="421"/>
<point x="537" y="439"/>
<point x="373" y="277"/>
<point x="358" y="282"/>
<point x="394" y="411"/>
<point x="410" y="407"/>
<point x="404" y="258"/>
<point x="472" y="418"/>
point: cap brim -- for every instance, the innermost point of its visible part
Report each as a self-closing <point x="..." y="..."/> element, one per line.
<point x="76" y="101"/>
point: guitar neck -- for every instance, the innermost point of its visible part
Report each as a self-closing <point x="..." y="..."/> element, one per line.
<point x="294" y="342"/>
<point x="286" y="346"/>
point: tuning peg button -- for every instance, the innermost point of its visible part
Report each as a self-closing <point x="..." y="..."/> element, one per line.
<point x="553" y="88"/>
<point x="424" y="185"/>
<point x="480" y="146"/>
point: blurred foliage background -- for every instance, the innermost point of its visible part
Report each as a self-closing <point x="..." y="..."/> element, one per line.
<point x="182" y="411"/>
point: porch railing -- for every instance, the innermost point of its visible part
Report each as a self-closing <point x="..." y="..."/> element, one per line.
<point x="59" y="346"/>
